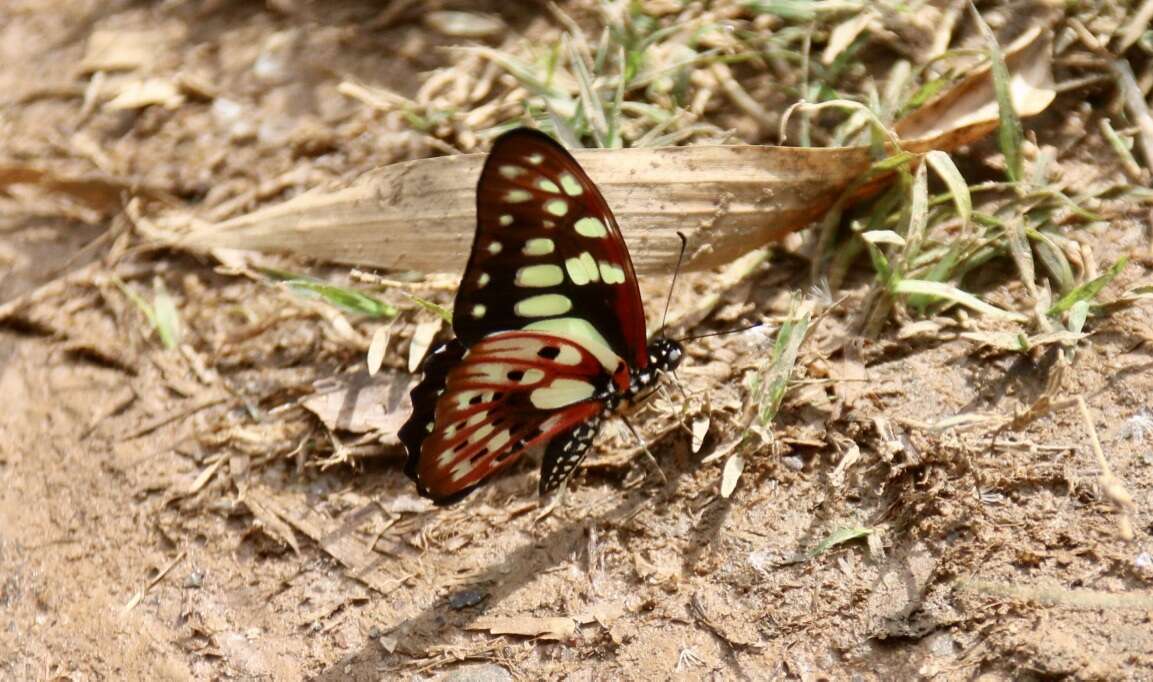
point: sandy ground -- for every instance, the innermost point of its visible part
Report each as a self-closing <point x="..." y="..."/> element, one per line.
<point x="176" y="514"/>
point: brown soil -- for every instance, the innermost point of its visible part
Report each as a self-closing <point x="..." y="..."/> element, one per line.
<point x="177" y="514"/>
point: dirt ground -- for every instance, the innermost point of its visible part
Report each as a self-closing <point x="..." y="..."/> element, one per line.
<point x="178" y="514"/>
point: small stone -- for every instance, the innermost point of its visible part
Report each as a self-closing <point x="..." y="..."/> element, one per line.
<point x="793" y="462"/>
<point x="466" y="598"/>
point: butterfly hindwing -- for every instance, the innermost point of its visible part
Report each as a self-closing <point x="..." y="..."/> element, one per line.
<point x="565" y="451"/>
<point x="511" y="392"/>
<point x="548" y="254"/>
<point x="424" y="403"/>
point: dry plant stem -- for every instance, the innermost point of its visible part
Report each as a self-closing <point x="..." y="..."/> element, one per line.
<point x="1055" y="596"/>
<point x="155" y="581"/>
<point x="1137" y="107"/>
<point x="1138" y="23"/>
<point x="741" y="98"/>
<point x="1112" y="486"/>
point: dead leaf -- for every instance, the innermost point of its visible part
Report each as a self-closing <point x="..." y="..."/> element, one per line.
<point x="100" y="191"/>
<point x="731" y="474"/>
<point x="728" y="200"/>
<point x="465" y="24"/>
<point x="604" y="614"/>
<point x="119" y="50"/>
<point x="554" y="628"/>
<point x="421" y="340"/>
<point x="334" y="537"/>
<point x="377" y="348"/>
<point x="364" y="404"/>
<point x="700" y="430"/>
<point x="145" y="93"/>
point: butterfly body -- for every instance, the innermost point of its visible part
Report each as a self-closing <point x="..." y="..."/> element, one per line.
<point x="550" y="330"/>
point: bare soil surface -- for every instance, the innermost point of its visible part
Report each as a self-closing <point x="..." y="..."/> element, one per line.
<point x="177" y="514"/>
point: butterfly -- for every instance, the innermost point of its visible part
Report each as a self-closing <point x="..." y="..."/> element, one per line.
<point x="549" y="325"/>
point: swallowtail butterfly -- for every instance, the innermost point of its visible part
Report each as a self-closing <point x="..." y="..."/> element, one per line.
<point x="550" y="329"/>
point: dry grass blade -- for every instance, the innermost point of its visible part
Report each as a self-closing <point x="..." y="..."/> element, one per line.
<point x="1138" y="108"/>
<point x="1009" y="133"/>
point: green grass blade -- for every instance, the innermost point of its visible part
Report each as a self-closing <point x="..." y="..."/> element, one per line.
<point x="952" y="294"/>
<point x="775" y="379"/>
<point x="1089" y="290"/>
<point x="942" y="164"/>
<point x="1053" y="257"/>
<point x="348" y="299"/>
<point x="918" y="215"/>
<point x="1010" y="137"/>
<point x="166" y="317"/>
<point x="444" y="313"/>
<point x="839" y="537"/>
<point x="1022" y="253"/>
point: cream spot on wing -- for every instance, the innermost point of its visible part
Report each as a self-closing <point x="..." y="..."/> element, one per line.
<point x="476" y="419"/>
<point x="611" y="273"/>
<point x="481" y="433"/>
<point x="591" y="227"/>
<point x="568" y="355"/>
<point x="560" y="393"/>
<point x="511" y="348"/>
<point x="534" y="159"/>
<point x="532" y="376"/>
<point x="511" y="172"/>
<point x="499" y="440"/>
<point x="544" y="305"/>
<point x="490" y="372"/>
<point x="539" y="276"/>
<point x="548" y="224"/>
<point x="494" y="247"/>
<point x="538" y="246"/>
<point x="483" y="279"/>
<point x="461" y="470"/>
<point x="581" y="332"/>
<point x="548" y="185"/>
<point x="582" y="269"/>
<point x="570" y="185"/>
<point x="505" y="220"/>
<point x="479" y="310"/>
<point x="445" y="458"/>
<point x="557" y="207"/>
<point x="517" y="196"/>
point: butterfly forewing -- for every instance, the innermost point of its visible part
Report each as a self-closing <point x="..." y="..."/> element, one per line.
<point x="548" y="254"/>
<point x="511" y="392"/>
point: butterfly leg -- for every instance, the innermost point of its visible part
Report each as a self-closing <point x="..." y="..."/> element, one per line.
<point x="645" y="449"/>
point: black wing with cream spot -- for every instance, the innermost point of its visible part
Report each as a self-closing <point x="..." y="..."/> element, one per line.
<point x="547" y="247"/>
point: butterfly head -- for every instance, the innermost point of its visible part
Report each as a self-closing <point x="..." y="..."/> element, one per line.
<point x="664" y="356"/>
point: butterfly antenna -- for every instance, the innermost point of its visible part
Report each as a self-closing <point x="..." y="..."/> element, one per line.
<point x="673" y="284"/>
<point x="720" y="333"/>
